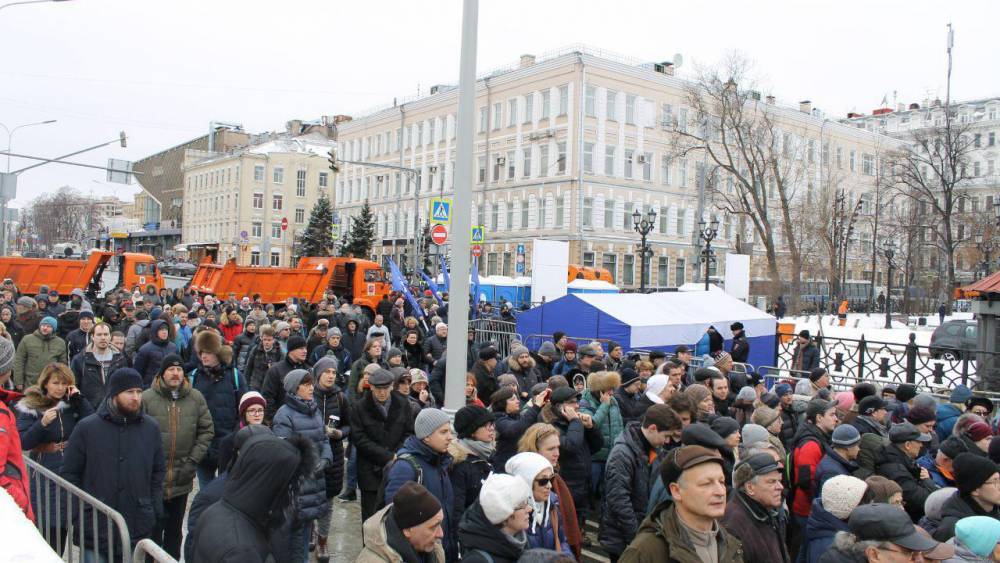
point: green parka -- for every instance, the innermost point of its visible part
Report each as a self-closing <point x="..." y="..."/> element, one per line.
<point x="33" y="354"/>
<point x="186" y="428"/>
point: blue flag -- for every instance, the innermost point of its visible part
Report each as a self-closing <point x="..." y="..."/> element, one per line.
<point x="433" y="287"/>
<point x="399" y="284"/>
<point x="475" y="287"/>
<point x="444" y="272"/>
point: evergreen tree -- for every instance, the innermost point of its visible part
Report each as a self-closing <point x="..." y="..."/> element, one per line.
<point x="359" y="241"/>
<point x="316" y="238"/>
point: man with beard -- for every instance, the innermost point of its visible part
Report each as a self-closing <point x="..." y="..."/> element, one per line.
<point x="116" y="455"/>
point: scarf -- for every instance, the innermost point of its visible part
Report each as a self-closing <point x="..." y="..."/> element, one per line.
<point x="539" y="513"/>
<point x="484" y="450"/>
<point x="571" y="526"/>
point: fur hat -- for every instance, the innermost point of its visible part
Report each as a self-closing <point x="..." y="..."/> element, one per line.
<point x="842" y="494"/>
<point x="501" y="494"/>
<point x="470" y="418"/>
<point x="601" y="381"/>
<point x="210" y="342"/>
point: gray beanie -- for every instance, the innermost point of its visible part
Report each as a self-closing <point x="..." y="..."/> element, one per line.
<point x="428" y="421"/>
<point x="753" y="434"/>
<point x="294" y="379"/>
<point x="27" y="302"/>
<point x="334" y="331"/>
<point x="746" y="394"/>
<point x="925" y="399"/>
<point x="323" y="364"/>
<point x="6" y="355"/>
<point x="547" y="349"/>
<point x="393" y="352"/>
<point x="518" y="350"/>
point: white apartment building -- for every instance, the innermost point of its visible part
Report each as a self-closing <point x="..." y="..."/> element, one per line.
<point x="568" y="145"/>
<point x="981" y="120"/>
<point x="234" y="204"/>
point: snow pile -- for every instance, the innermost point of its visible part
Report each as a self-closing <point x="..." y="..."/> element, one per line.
<point x="20" y="539"/>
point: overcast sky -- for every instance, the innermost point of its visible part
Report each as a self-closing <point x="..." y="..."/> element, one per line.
<point x="162" y="70"/>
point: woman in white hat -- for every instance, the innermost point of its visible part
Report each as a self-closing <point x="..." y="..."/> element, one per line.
<point x="493" y="529"/>
<point x="545" y="529"/>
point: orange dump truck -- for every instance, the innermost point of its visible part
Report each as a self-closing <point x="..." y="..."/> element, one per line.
<point x="30" y="274"/>
<point x="360" y="281"/>
<point x="577" y="272"/>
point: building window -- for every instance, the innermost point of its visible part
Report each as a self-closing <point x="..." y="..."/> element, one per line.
<point x="679" y="272"/>
<point x="258" y="173"/>
<point x="526" y="169"/>
<point x="300" y="183"/>
<point x="323" y="179"/>
<point x="647" y="166"/>
<point x="682" y="172"/>
<point x="256" y="229"/>
<point x="431" y="133"/>
<point x="482" y="169"/>
<point x="665" y="170"/>
<point x="628" y="269"/>
<point x="609" y="214"/>
<point x="276" y="230"/>
<point x="524" y="215"/>
<point x="590" y="101"/>
<point x="588" y="158"/>
<point x="560" y="210"/>
<point x="609" y="161"/>
<point x="276" y="202"/>
<point x="588" y="259"/>
<point x="506" y="264"/>
<point x="629" y="156"/>
<point x="258" y="200"/>
<point x="491" y="264"/>
<point x="494" y="215"/>
<point x="587" y="214"/>
<point x="627" y="217"/>
<point x="484" y="119"/>
<point x="510" y="165"/>
<point x="278" y="175"/>
<point x="543" y="160"/>
<point x="497" y="168"/>
<point x="512" y="112"/>
<point x="563" y="99"/>
<point x="529" y="108"/>
<point x="546" y="102"/>
<point x="497" y="115"/>
<point x="868" y="165"/>
<point x="663" y="271"/>
<point x="420" y="134"/>
<point x="541" y="212"/>
<point x="630" y="109"/>
<point x="300" y="215"/>
<point x="610" y="263"/>
<point x="561" y="157"/>
<point x="275" y="258"/>
<point x="991" y="139"/>
<point x="255" y="258"/>
<point x="854" y="158"/>
<point x="682" y="120"/>
<point x="680" y="222"/>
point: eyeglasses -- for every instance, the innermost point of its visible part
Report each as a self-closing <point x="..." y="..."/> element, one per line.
<point x="257" y="410"/>
<point x="912" y="555"/>
<point x="980" y="412"/>
<point x="544" y="482"/>
<point x="523" y="506"/>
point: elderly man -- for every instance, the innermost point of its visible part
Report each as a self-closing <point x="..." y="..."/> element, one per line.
<point x="435" y="346"/>
<point x="897" y="463"/>
<point x="756" y="513"/>
<point x="409" y="529"/>
<point x="37" y="350"/>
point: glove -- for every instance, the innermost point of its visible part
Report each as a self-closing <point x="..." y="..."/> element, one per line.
<point x="321" y="466"/>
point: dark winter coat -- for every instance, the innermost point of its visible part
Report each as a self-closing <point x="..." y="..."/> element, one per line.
<point x="509" y="429"/>
<point x="868" y="425"/>
<point x="353" y="341"/>
<point x="77" y="341"/>
<point x="896" y="466"/>
<point x="259" y="361"/>
<point x="761" y="531"/>
<point x="526" y="377"/>
<point x="150" y="355"/>
<point x="954" y="509"/>
<point x="38" y="442"/>
<point x="222" y="389"/>
<point x="947" y="416"/>
<point x="543" y="536"/>
<point x="434" y="468"/>
<point x="118" y="460"/>
<point x="434" y="347"/>
<point x="805" y="358"/>
<point x="740" y="349"/>
<point x="468" y="472"/>
<point x="486" y="383"/>
<point x="575" y="446"/>
<point x="832" y="465"/>
<point x="341" y="354"/>
<point x="356" y="375"/>
<point x="187" y="431"/>
<point x="244" y="342"/>
<point x="820" y="529"/>
<point x="627" y="483"/>
<point x="661" y="538"/>
<point x="303" y="418"/>
<point x="478" y="536"/>
<point x="208" y="495"/>
<point x="377" y="437"/>
<point x="91" y="378"/>
<point x="273" y="386"/>
<point x="628" y="405"/>
<point x="332" y="402"/>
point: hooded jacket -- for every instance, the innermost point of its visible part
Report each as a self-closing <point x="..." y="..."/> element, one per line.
<point x="896" y="466"/>
<point x="34" y="353"/>
<point x="91" y="377"/>
<point x="820" y="530"/>
<point x="273" y="386"/>
<point x="378" y="436"/>
<point x="811" y="444"/>
<point x="477" y="535"/>
<point x="434" y="468"/>
<point x="607" y="416"/>
<point x="302" y="418"/>
<point x="385" y="542"/>
<point x="14" y="478"/>
<point x="236" y="529"/>
<point x="661" y="537"/>
<point x="627" y="482"/>
<point x="150" y="355"/>
<point x="119" y="460"/>
<point x="947" y="416"/>
<point x="186" y="429"/>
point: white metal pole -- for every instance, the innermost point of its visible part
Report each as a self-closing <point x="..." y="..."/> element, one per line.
<point x="461" y="221"/>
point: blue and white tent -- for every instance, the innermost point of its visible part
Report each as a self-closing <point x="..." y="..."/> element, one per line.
<point x="657" y="321"/>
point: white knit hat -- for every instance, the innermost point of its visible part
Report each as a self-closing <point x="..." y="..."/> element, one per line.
<point x="841" y="495"/>
<point x="527" y="466"/>
<point x="501" y="494"/>
<point x="655" y="386"/>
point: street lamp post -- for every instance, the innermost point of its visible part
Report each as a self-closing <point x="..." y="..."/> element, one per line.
<point x="707" y="231"/>
<point x="890" y="253"/>
<point x="643" y="225"/>
<point x="5" y="197"/>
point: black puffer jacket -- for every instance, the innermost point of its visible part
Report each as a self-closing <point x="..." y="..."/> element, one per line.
<point x="222" y="389"/>
<point x="954" y="509"/>
<point x="478" y="536"/>
<point x="896" y="466"/>
<point x="258" y="362"/>
<point x="626" y="489"/>
<point x="377" y="437"/>
<point x="77" y="341"/>
<point x="235" y="529"/>
<point x="509" y="429"/>
<point x="468" y="472"/>
<point x="273" y="387"/>
<point x="526" y="377"/>
<point x="150" y="355"/>
<point x="302" y="418"/>
<point x="332" y="402"/>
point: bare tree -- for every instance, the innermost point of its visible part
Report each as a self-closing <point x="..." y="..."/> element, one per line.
<point x="63" y="216"/>
<point x="756" y="166"/>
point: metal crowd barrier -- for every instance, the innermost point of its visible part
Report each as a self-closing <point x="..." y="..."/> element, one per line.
<point x="147" y="549"/>
<point x="62" y="506"/>
<point x="500" y="333"/>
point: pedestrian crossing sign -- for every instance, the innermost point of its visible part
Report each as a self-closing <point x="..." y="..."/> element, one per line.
<point x="478" y="236"/>
<point x="441" y="211"/>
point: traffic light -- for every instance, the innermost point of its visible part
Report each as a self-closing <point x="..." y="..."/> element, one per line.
<point x="332" y="159"/>
<point x="122" y="139"/>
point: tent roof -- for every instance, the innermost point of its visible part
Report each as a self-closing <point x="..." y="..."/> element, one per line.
<point x="671" y="308"/>
<point x="591" y="284"/>
<point x="693" y="286"/>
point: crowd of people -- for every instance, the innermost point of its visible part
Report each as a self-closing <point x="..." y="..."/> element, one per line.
<point x="277" y="412"/>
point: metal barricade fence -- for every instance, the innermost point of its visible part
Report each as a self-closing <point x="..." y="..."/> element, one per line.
<point x="147" y="549"/>
<point x="500" y="333"/>
<point x="67" y="516"/>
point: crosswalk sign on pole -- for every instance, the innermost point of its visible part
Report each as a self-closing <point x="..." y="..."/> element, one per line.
<point x="441" y="211"/>
<point x="478" y="235"/>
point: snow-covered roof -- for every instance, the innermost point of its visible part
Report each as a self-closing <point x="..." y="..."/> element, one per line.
<point x="317" y="148"/>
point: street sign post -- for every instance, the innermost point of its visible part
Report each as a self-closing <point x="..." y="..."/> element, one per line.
<point x="335" y="231"/>
<point x="439" y="234"/>
<point x="478" y="235"/>
<point x="441" y="210"/>
<point x="284" y="223"/>
<point x="477" y="250"/>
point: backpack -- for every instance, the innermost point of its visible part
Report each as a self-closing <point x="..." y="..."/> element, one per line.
<point x="236" y="378"/>
<point x="418" y="477"/>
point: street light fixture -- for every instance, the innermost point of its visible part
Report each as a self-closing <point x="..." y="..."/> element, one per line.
<point x="29" y="2"/>
<point x="707" y="231"/>
<point x="890" y="253"/>
<point x="5" y="196"/>
<point x="643" y="226"/>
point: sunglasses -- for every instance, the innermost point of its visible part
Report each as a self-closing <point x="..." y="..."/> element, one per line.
<point x="544" y="482"/>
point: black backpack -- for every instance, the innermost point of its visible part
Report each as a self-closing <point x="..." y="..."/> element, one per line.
<point x="417" y="472"/>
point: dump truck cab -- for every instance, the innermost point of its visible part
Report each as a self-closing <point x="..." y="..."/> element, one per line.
<point x="137" y="270"/>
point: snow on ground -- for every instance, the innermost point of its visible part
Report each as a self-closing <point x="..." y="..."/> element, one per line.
<point x="871" y="327"/>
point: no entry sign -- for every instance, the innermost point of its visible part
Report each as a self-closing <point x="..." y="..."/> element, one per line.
<point x="439" y="234"/>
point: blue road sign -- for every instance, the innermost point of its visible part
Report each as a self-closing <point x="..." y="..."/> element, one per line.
<point x="478" y="235"/>
<point x="441" y="211"/>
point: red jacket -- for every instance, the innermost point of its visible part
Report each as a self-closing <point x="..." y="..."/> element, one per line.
<point x="13" y="473"/>
<point x="809" y="449"/>
<point x="231" y="331"/>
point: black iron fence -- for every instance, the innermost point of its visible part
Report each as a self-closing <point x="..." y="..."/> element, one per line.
<point x="892" y="362"/>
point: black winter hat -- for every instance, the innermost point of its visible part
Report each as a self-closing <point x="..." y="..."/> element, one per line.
<point x="870" y="404"/>
<point x="700" y="434"/>
<point x="952" y="446"/>
<point x="817" y="407"/>
<point x="816" y="374"/>
<point x="971" y="471"/>
<point x="905" y="392"/>
<point x="295" y="342"/>
<point x="413" y="505"/>
<point x="123" y="379"/>
<point x="170" y="360"/>
<point x="725" y="426"/>
<point x="470" y="418"/>
<point x="488" y="353"/>
<point x="629" y="376"/>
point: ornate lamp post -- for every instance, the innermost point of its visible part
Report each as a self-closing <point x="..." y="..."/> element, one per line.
<point x="643" y="225"/>
<point x="707" y="231"/>
<point x="890" y="253"/>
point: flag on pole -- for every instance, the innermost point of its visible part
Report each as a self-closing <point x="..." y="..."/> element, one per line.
<point x="444" y="272"/>
<point x="399" y="284"/>
<point x="433" y="287"/>
<point x="475" y="287"/>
